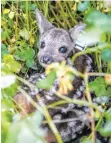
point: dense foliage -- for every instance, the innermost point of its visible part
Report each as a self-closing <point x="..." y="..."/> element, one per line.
<point x="19" y="49"/>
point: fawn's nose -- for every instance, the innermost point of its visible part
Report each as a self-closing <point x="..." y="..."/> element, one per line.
<point x="46" y="59"/>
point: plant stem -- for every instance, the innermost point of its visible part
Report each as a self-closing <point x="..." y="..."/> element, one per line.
<point x="31" y="86"/>
<point x="28" y="97"/>
<point x="67" y="120"/>
<point x="57" y="103"/>
<point x="77" y="73"/>
<point x="85" y="52"/>
<point x="46" y="8"/>
<point x="92" y="111"/>
<point x="16" y="30"/>
<point x="27" y="15"/>
<point x="77" y="101"/>
<point x="98" y="124"/>
<point x="52" y="125"/>
<point x="56" y="17"/>
<point x="98" y="74"/>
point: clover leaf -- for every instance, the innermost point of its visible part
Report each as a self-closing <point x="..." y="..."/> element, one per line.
<point x="98" y="86"/>
<point x="47" y="82"/>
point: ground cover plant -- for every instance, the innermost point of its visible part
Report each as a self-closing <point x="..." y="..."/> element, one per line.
<point x="19" y="36"/>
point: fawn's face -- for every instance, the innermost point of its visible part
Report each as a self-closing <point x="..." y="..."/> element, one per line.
<point x="55" y="44"/>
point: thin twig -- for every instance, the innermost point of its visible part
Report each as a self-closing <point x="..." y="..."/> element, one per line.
<point x="97" y="74"/>
<point x="31" y="86"/>
<point x="28" y="97"/>
<point x="91" y="111"/>
<point x="27" y="15"/>
<point x="77" y="73"/>
<point x="16" y="29"/>
<point x="77" y="101"/>
<point x="52" y="125"/>
<point x="85" y="52"/>
<point x="82" y="118"/>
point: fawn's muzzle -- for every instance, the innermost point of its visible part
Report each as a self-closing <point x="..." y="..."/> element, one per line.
<point x="46" y="59"/>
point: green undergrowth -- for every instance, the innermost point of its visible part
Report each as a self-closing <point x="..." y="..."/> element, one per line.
<point x="19" y="48"/>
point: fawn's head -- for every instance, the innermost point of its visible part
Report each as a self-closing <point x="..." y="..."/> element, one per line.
<point x="55" y="44"/>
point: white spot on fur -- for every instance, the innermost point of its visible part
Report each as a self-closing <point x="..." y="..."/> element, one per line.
<point x="71" y="124"/>
<point x="78" y="93"/>
<point x="65" y="134"/>
<point x="89" y="68"/>
<point x="81" y="88"/>
<point x="71" y="105"/>
<point x="49" y="97"/>
<point x="57" y="117"/>
<point x="74" y="136"/>
<point x="83" y="83"/>
<point x="88" y="62"/>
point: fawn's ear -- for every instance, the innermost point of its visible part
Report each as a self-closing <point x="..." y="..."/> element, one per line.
<point x="76" y="30"/>
<point x="43" y="23"/>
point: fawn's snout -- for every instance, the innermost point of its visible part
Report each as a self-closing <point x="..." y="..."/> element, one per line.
<point x="46" y="59"/>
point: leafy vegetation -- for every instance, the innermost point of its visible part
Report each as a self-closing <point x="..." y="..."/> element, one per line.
<point x="47" y="82"/>
<point x="99" y="87"/>
<point x="19" y="50"/>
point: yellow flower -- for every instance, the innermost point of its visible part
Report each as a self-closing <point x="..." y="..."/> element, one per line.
<point x="108" y="79"/>
<point x="64" y="75"/>
<point x="64" y="85"/>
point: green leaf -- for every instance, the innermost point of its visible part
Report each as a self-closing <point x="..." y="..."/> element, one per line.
<point x="108" y="92"/>
<point x="4" y="35"/>
<point x="98" y="86"/>
<point x="37" y="119"/>
<point x="103" y="37"/>
<point x="7" y="104"/>
<point x="25" y="34"/>
<point x="5" y="122"/>
<point x="3" y="46"/>
<point x="106" y="54"/>
<point x="4" y="50"/>
<point x="10" y="22"/>
<point x="86" y="140"/>
<point x="33" y="6"/>
<point x="24" y="69"/>
<point x="24" y="54"/>
<point x="15" y="128"/>
<point x="10" y="91"/>
<point x="11" y="15"/>
<point x="30" y="63"/>
<point x="47" y="82"/>
<point x="99" y="20"/>
<point x="5" y="11"/>
<point x="91" y="36"/>
<point x="27" y="130"/>
<point x="29" y="6"/>
<point x="11" y="64"/>
<point x="82" y="6"/>
<point x="108" y="114"/>
<point x="106" y="130"/>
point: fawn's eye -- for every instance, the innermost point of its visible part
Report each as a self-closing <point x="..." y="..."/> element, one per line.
<point x="63" y="49"/>
<point x="42" y="45"/>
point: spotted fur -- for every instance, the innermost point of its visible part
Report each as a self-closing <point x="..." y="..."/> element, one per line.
<point x="70" y="129"/>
